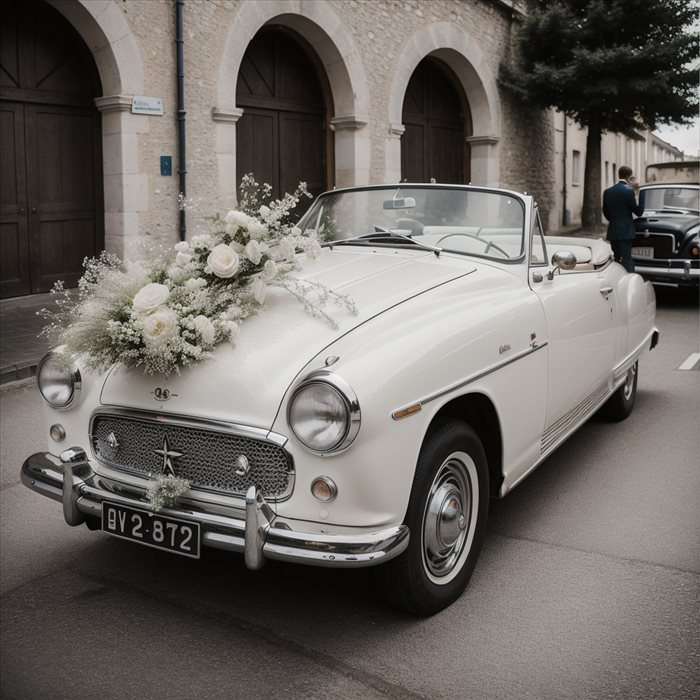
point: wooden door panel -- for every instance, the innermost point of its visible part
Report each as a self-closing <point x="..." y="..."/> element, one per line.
<point x="51" y="209"/>
<point x="256" y="146"/>
<point x="412" y="161"/>
<point x="281" y="137"/>
<point x="447" y="153"/>
<point x="301" y="153"/>
<point x="433" y="145"/>
<point x="60" y="246"/>
<point x="14" y="244"/>
<point x="63" y="212"/>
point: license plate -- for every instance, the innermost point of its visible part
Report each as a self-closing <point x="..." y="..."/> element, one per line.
<point x="642" y="252"/>
<point x="151" y="529"/>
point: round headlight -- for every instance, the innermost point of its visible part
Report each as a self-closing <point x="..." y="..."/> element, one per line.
<point x="324" y="414"/>
<point x="58" y="380"/>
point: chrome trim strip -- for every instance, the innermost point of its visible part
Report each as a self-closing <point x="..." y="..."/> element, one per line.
<point x="556" y="433"/>
<point x="623" y="367"/>
<point x="188" y="422"/>
<point x="686" y="272"/>
<point x="255" y="532"/>
<point x="472" y="378"/>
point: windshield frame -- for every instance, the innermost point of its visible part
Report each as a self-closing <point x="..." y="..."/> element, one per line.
<point x="311" y="220"/>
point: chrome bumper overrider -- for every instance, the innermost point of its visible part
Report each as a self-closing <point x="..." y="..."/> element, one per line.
<point x="257" y="533"/>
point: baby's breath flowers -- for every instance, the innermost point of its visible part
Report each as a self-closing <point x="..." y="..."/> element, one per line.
<point x="171" y="309"/>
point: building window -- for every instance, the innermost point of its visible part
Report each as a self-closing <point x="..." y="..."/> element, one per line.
<point x="576" y="168"/>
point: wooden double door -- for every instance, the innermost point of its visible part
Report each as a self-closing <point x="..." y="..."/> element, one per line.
<point x="283" y="137"/>
<point x="437" y="121"/>
<point x="51" y="203"/>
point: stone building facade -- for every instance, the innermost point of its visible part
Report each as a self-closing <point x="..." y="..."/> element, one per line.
<point x="635" y="150"/>
<point x="364" y="55"/>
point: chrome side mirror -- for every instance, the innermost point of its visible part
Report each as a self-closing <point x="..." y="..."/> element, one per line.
<point x="562" y="260"/>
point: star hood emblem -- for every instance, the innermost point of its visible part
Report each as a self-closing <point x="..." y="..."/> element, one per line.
<point x="168" y="456"/>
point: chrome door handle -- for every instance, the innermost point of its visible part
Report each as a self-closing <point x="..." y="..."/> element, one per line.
<point x="606" y="291"/>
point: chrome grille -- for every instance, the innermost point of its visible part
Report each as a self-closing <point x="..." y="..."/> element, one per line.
<point x="209" y="457"/>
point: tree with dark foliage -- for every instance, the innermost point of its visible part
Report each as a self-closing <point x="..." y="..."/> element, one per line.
<point x="611" y="65"/>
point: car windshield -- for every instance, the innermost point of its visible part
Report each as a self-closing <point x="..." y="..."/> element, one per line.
<point x="679" y="200"/>
<point x="477" y="222"/>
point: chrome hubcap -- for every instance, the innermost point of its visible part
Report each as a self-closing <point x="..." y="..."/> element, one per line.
<point x="447" y="517"/>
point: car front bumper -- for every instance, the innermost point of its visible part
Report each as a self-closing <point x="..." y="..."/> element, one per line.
<point x="257" y="533"/>
<point x="674" y="272"/>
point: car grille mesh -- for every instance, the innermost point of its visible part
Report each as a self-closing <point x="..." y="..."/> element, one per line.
<point x="662" y="243"/>
<point x="209" y="458"/>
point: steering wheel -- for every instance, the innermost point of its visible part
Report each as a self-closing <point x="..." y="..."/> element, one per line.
<point x="488" y="244"/>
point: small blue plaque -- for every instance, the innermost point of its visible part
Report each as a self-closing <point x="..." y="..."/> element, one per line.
<point x="166" y="165"/>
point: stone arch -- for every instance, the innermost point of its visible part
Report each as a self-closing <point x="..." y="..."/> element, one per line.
<point x="318" y="23"/>
<point x="461" y="53"/>
<point x="107" y="34"/>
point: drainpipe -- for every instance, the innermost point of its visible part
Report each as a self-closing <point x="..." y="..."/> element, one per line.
<point x="564" y="217"/>
<point x="182" y="160"/>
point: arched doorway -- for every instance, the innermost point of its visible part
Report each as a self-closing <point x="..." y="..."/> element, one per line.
<point x="51" y="198"/>
<point x="283" y="136"/>
<point x="437" y="121"/>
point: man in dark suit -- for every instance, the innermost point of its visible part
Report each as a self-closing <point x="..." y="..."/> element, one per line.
<point x="619" y="203"/>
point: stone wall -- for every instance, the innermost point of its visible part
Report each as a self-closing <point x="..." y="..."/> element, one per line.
<point x="368" y="48"/>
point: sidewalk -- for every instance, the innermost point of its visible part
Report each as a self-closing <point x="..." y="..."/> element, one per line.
<point x="20" y="348"/>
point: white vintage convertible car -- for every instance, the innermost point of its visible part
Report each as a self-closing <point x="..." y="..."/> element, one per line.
<point x="479" y="346"/>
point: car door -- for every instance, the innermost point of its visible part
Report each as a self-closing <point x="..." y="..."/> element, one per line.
<point x="580" y="308"/>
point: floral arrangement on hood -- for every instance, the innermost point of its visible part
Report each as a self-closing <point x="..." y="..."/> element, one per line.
<point x="171" y="309"/>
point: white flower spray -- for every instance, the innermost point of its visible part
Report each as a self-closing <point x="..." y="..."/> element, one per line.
<point x="171" y="309"/>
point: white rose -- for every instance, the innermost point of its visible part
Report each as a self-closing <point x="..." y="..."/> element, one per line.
<point x="176" y="273"/>
<point x="231" y="328"/>
<point x="253" y="252"/>
<point x="237" y="218"/>
<point x="286" y="249"/>
<point x="203" y="241"/>
<point x="195" y="283"/>
<point x="312" y="249"/>
<point x="259" y="289"/>
<point x="182" y="259"/>
<point x="182" y="247"/>
<point x="256" y="229"/>
<point x="269" y="270"/>
<point x="223" y="261"/>
<point x="264" y="211"/>
<point x="205" y="328"/>
<point x="159" y="327"/>
<point x="235" y="245"/>
<point x="150" y="298"/>
<point x="295" y="231"/>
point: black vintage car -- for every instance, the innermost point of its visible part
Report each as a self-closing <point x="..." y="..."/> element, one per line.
<point x="667" y="245"/>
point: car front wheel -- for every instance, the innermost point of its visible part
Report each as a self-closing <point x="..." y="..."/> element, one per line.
<point x="621" y="403"/>
<point x="446" y="518"/>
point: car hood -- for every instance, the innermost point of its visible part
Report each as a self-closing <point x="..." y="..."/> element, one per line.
<point x="665" y="223"/>
<point x="246" y="384"/>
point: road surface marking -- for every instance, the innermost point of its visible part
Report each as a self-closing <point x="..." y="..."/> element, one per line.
<point x="692" y="362"/>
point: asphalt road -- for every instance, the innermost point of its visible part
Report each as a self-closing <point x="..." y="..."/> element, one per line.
<point x="588" y="585"/>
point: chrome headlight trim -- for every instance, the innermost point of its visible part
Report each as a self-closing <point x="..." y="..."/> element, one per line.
<point x="72" y="378"/>
<point x="347" y="396"/>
